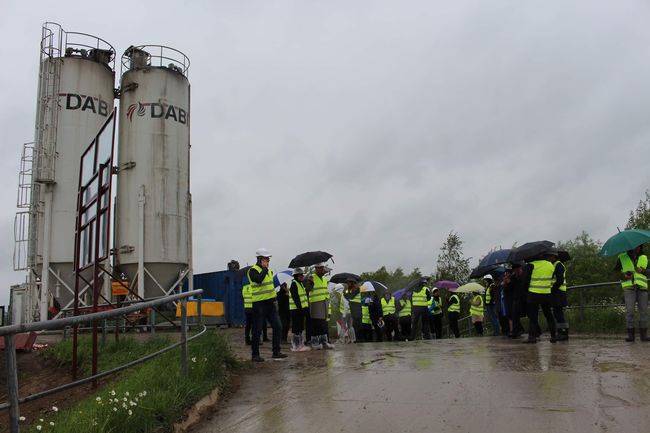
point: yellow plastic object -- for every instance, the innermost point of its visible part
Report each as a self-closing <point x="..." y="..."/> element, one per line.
<point x="209" y="308"/>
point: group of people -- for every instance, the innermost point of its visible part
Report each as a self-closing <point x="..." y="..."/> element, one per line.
<point x="520" y="291"/>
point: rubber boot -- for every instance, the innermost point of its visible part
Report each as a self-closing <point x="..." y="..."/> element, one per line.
<point x="315" y="343"/>
<point x="644" y="334"/>
<point x="630" y="335"/>
<point x="301" y="345"/>
<point x="325" y="343"/>
<point x="562" y="332"/>
<point x="295" y="342"/>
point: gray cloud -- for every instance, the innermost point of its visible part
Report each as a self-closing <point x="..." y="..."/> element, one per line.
<point x="372" y="129"/>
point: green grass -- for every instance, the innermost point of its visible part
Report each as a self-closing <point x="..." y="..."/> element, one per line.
<point x="146" y="398"/>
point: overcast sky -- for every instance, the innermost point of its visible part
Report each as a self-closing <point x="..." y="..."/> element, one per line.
<point x="371" y="129"/>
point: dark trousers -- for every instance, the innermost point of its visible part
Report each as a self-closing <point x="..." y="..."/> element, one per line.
<point x="379" y="334"/>
<point x="366" y="332"/>
<point x="249" y="325"/>
<point x="264" y="312"/>
<point x="478" y="326"/>
<point x="297" y="321"/>
<point x="558" y="313"/>
<point x="494" y="319"/>
<point x="420" y="315"/>
<point x="534" y="301"/>
<point x="405" y="326"/>
<point x="285" y="320"/>
<point x="435" y="323"/>
<point x="358" y="329"/>
<point x="319" y="327"/>
<point x="453" y="323"/>
<point x="390" y="327"/>
<point x="308" y="329"/>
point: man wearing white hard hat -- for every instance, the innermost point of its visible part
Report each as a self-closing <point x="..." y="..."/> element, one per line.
<point x="264" y="305"/>
<point x="491" y="299"/>
<point x="318" y="299"/>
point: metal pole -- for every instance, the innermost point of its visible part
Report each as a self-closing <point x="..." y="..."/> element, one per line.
<point x="184" y="337"/>
<point x="104" y="324"/>
<point x="141" y="204"/>
<point x="153" y="321"/>
<point x="12" y="383"/>
<point x="45" y="277"/>
<point x="199" y="308"/>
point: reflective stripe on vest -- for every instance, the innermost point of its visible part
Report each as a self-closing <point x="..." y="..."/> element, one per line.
<point x="343" y="308"/>
<point x="419" y="299"/>
<point x="639" y="278"/>
<point x="319" y="292"/>
<point x="454" y="308"/>
<point x="246" y="293"/>
<point x="388" y="307"/>
<point x="436" y="306"/>
<point x="302" y="294"/>
<point x="264" y="291"/>
<point x="488" y="295"/>
<point x="356" y="299"/>
<point x="476" y="310"/>
<point x="406" y="309"/>
<point x="563" y="286"/>
<point x="365" y="315"/>
<point x="541" y="278"/>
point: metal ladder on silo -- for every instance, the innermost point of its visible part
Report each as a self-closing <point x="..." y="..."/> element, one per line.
<point x="26" y="220"/>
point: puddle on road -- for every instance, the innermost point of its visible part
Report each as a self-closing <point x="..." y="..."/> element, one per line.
<point x="614" y="366"/>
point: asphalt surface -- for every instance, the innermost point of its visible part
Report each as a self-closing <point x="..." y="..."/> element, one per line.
<point x="484" y="384"/>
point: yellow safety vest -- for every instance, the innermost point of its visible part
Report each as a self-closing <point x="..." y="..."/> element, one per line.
<point x="562" y="288"/>
<point x="246" y="293"/>
<point x="541" y="280"/>
<point x="476" y="310"/>
<point x="488" y="294"/>
<point x="365" y="315"/>
<point x="406" y="309"/>
<point x="627" y="265"/>
<point x="302" y="294"/>
<point x="419" y="299"/>
<point x="264" y="291"/>
<point x="319" y="292"/>
<point x="387" y="307"/>
<point x="454" y="308"/>
<point x="436" y="306"/>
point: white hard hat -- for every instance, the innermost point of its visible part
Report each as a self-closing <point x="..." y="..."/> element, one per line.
<point x="262" y="252"/>
<point x="320" y="265"/>
<point x="298" y="271"/>
<point x="488" y="277"/>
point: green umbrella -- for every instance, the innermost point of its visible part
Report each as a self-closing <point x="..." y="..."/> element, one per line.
<point x="624" y="241"/>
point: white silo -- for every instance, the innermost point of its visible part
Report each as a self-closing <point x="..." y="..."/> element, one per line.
<point x="153" y="201"/>
<point x="75" y="97"/>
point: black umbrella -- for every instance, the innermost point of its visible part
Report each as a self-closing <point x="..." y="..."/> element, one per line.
<point x="490" y="262"/>
<point x="480" y="271"/>
<point x="564" y="256"/>
<point x="415" y="283"/>
<point x="310" y="258"/>
<point x="343" y="277"/>
<point x="530" y="250"/>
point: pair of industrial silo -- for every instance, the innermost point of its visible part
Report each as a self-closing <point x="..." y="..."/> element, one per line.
<point x="152" y="210"/>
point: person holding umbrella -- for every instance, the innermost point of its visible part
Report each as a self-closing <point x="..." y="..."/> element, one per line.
<point x="420" y="315"/>
<point x="318" y="300"/>
<point x="435" y="314"/>
<point x="539" y="295"/>
<point x="264" y="305"/>
<point x="299" y="308"/>
<point x="632" y="264"/>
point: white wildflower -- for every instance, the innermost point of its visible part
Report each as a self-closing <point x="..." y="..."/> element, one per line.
<point x="114" y="409"/>
<point x="130" y="413"/>
<point x="39" y="427"/>
<point x="126" y="393"/>
<point x="194" y="359"/>
<point x="55" y="409"/>
<point x="125" y="399"/>
<point x="51" y="423"/>
<point x="98" y="399"/>
<point x="22" y="418"/>
<point x="112" y="392"/>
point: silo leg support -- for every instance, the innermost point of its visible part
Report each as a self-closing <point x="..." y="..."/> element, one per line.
<point x="12" y="383"/>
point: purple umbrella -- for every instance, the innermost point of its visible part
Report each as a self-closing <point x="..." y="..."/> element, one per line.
<point x="399" y="294"/>
<point x="444" y="284"/>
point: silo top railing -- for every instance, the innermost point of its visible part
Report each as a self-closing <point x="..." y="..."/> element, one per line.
<point x="157" y="56"/>
<point x="56" y="42"/>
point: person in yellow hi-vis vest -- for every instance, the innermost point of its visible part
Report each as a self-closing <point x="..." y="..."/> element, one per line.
<point x="318" y="299"/>
<point x="539" y="295"/>
<point x="264" y="305"/>
<point x="632" y="265"/>
<point x="476" y="310"/>
<point x="299" y="308"/>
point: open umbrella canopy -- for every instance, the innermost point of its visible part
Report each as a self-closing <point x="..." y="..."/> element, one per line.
<point x="563" y="256"/>
<point x="470" y="288"/>
<point x="399" y="294"/>
<point x="490" y="262"/>
<point x="445" y="284"/>
<point x="282" y="277"/>
<point x="343" y="277"/>
<point x="309" y="258"/>
<point x="530" y="250"/>
<point x="373" y="286"/>
<point x="624" y="241"/>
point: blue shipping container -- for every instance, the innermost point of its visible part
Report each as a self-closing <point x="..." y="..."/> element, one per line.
<point x="224" y="286"/>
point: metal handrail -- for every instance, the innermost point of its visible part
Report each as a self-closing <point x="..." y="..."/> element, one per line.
<point x="8" y="332"/>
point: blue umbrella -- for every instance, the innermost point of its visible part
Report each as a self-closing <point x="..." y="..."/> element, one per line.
<point x="490" y="262"/>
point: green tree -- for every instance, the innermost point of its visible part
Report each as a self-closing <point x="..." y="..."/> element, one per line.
<point x="587" y="267"/>
<point x="640" y="217"/>
<point x="452" y="264"/>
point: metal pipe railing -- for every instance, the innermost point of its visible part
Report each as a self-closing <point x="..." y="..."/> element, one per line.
<point x="8" y="332"/>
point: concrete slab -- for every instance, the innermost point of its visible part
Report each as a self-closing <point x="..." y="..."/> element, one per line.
<point x="468" y="385"/>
